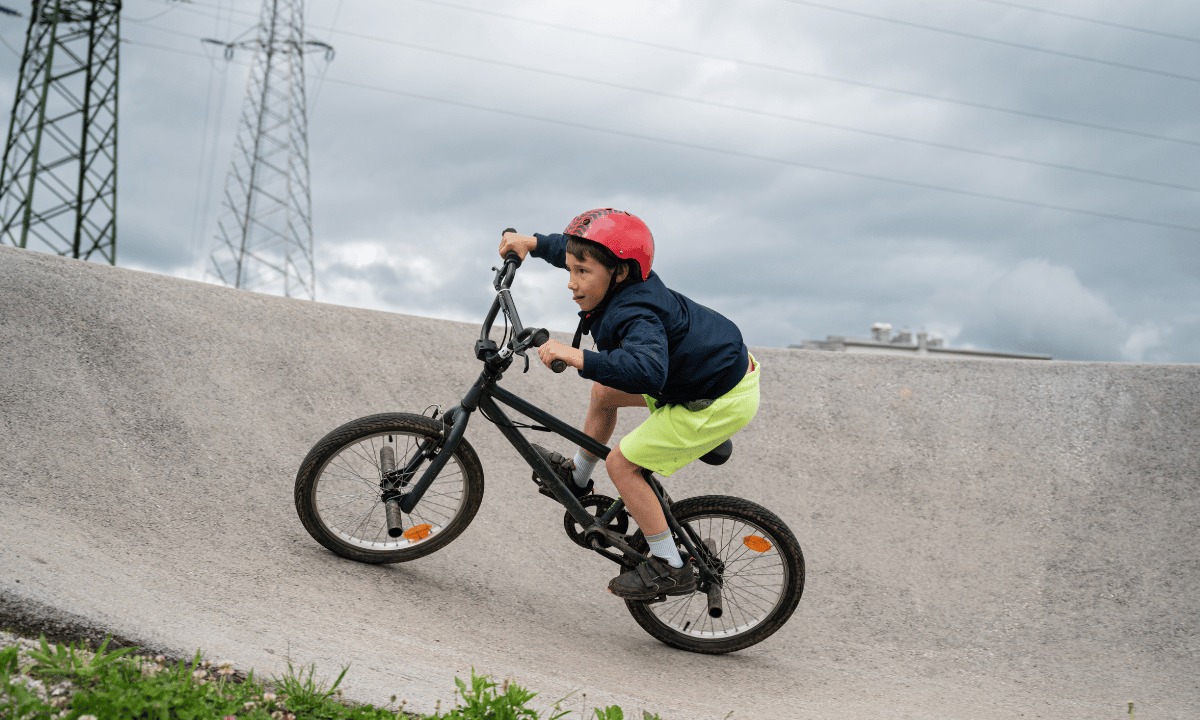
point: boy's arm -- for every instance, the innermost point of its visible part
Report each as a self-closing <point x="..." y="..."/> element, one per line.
<point x="518" y="243"/>
<point x="639" y="365"/>
<point x="551" y="248"/>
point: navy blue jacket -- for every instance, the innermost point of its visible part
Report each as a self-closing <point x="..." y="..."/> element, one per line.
<point x="653" y="340"/>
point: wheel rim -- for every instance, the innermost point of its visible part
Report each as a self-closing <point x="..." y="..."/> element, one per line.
<point x="755" y="582"/>
<point x="347" y="501"/>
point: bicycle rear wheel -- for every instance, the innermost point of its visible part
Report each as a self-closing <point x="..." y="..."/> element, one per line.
<point x="761" y="565"/>
<point x="339" y="489"/>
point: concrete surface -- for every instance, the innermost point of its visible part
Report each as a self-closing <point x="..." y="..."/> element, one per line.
<point x="983" y="539"/>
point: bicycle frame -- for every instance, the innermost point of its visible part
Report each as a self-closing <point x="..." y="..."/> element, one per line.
<point x="484" y="395"/>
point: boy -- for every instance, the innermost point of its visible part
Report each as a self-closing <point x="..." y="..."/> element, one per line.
<point x="655" y="349"/>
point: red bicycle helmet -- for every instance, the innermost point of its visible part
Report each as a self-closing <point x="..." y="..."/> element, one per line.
<point x="624" y="234"/>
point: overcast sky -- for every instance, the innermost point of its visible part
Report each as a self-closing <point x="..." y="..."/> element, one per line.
<point x="1003" y="178"/>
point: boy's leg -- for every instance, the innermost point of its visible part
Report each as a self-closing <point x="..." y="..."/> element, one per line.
<point x="668" y="440"/>
<point x="666" y="573"/>
<point x="640" y="500"/>
<point x="602" y="411"/>
<point x="599" y="424"/>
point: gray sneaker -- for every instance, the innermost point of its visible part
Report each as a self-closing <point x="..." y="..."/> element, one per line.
<point x="653" y="578"/>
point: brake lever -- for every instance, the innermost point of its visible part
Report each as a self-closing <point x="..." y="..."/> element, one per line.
<point x="519" y="348"/>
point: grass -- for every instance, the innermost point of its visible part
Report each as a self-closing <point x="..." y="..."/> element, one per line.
<point x="68" y="682"/>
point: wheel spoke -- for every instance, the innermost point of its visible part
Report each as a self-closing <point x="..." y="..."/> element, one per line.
<point x="755" y="582"/>
<point x="348" y="493"/>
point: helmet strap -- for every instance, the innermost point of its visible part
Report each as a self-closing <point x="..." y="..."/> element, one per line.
<point x="578" y="332"/>
<point x="585" y="322"/>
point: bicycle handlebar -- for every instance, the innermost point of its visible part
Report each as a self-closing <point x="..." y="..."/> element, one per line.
<point x="539" y="338"/>
<point x="523" y="337"/>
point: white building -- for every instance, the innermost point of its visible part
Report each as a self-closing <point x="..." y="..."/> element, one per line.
<point x="902" y="343"/>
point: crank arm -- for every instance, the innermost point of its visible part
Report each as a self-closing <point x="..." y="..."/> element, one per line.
<point x="628" y="558"/>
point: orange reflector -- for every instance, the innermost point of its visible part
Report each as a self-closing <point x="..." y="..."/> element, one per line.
<point x="418" y="532"/>
<point x="754" y="542"/>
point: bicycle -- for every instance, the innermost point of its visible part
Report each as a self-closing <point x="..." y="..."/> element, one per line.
<point x="357" y="485"/>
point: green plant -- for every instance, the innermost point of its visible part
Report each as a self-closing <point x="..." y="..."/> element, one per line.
<point x="482" y="702"/>
<point x="613" y="712"/>
<point x="309" y="697"/>
<point x="67" y="662"/>
<point x="121" y="685"/>
<point x="16" y="700"/>
<point x="164" y="696"/>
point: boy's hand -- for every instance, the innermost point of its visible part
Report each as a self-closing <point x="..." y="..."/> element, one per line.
<point x="518" y="243"/>
<point x="552" y="350"/>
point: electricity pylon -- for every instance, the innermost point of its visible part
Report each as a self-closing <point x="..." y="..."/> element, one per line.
<point x="264" y="233"/>
<point x="58" y="180"/>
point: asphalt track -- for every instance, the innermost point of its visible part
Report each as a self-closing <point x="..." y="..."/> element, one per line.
<point x="983" y="539"/>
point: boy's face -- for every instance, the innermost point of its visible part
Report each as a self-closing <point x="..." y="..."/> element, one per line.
<point x="588" y="283"/>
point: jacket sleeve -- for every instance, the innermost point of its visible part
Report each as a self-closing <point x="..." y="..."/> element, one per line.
<point x="552" y="249"/>
<point x="639" y="365"/>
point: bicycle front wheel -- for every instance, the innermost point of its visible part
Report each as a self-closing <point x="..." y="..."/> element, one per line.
<point x="340" y="485"/>
<point x="762" y="569"/>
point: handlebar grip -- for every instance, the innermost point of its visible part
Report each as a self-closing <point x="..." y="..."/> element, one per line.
<point x="512" y="257"/>
<point x="558" y="365"/>
<point x="507" y="231"/>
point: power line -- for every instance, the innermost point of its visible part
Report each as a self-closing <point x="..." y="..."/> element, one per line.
<point x="774" y="160"/>
<point x="325" y="68"/>
<point x="152" y="17"/>
<point x="996" y="41"/>
<point x="127" y="41"/>
<point x="810" y="166"/>
<point x="169" y="31"/>
<point x="765" y="113"/>
<point x="1095" y="21"/>
<point x="778" y="116"/>
<point x="817" y="76"/>
<point x="591" y="33"/>
<point x="10" y="47"/>
<point x="208" y="150"/>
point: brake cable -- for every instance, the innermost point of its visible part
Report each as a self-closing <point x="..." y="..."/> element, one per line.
<point x="510" y="423"/>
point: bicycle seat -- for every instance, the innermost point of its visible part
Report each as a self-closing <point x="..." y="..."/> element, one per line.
<point x="719" y="454"/>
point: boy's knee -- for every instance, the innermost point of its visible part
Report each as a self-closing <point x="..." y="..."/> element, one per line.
<point x="619" y="465"/>
<point x="613" y="463"/>
<point x="602" y="397"/>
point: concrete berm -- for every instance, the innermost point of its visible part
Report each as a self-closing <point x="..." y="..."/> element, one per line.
<point x="983" y="539"/>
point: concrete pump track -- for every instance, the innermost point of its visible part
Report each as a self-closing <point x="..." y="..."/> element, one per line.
<point x="983" y="539"/>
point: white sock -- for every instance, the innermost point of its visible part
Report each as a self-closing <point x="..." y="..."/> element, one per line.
<point x="663" y="546"/>
<point x="584" y="464"/>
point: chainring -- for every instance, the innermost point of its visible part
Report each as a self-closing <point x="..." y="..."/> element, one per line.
<point x="599" y="504"/>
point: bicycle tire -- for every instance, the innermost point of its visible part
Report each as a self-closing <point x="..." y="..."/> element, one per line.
<point x="338" y="490"/>
<point x="758" y="552"/>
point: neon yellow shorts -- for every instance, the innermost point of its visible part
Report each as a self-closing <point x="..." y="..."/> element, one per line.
<point x="673" y="436"/>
